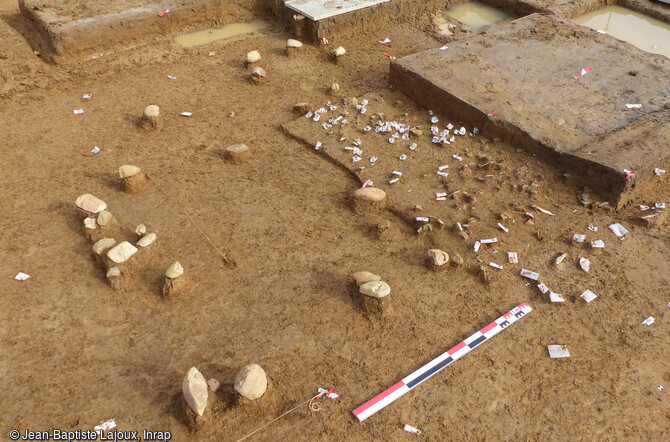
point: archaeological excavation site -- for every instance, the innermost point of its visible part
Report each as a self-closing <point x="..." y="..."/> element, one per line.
<point x="261" y="220"/>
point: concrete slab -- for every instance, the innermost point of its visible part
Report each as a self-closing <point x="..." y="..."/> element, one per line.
<point x="524" y="71"/>
<point x="320" y="9"/>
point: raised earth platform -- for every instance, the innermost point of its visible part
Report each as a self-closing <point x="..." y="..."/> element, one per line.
<point x="88" y="27"/>
<point x="521" y="82"/>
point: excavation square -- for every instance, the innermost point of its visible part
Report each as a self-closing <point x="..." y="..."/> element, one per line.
<point x="558" y="90"/>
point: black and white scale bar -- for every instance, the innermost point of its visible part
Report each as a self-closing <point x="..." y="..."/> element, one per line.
<point x="433" y="367"/>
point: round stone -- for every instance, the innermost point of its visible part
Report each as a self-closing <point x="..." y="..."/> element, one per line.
<point x="105" y="217"/>
<point x="152" y="111"/>
<point x="438" y="257"/>
<point x="113" y="272"/>
<point x="365" y="277"/>
<point x="258" y="72"/>
<point x="291" y="43"/>
<point x="127" y="170"/>
<point x="102" y="245"/>
<point x="146" y="240"/>
<point x="253" y="57"/>
<point x="339" y="51"/>
<point x="141" y="229"/>
<point x="456" y="258"/>
<point x="237" y="149"/>
<point x="174" y="271"/>
<point x="122" y="252"/>
<point x="375" y="289"/>
<point x="251" y="382"/>
<point x="369" y="194"/>
<point x="89" y="203"/>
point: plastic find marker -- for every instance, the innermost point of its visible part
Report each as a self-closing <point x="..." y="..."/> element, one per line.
<point x="436" y="365"/>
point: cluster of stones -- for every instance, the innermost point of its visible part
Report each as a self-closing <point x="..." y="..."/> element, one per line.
<point x="253" y="59"/>
<point x="439" y="259"/>
<point x="251" y="383"/>
<point x="101" y="228"/>
<point x="372" y="293"/>
<point x="258" y="74"/>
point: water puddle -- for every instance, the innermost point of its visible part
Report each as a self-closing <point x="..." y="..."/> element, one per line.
<point x="209" y="35"/>
<point x="476" y="14"/>
<point x="646" y="33"/>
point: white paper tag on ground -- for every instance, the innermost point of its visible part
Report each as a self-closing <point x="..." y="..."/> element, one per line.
<point x="543" y="288"/>
<point x="650" y="320"/>
<point x="558" y="351"/>
<point x="578" y="237"/>
<point x="78" y="111"/>
<point x="512" y="257"/>
<point x="618" y="229"/>
<point x="109" y="425"/>
<point x="186" y="114"/>
<point x="585" y="264"/>
<point x="21" y="276"/>
<point x="488" y="241"/>
<point x="588" y="296"/>
<point x="411" y="429"/>
<point x="96" y="149"/>
<point x="529" y="274"/>
<point x="555" y="297"/>
<point x="494" y="265"/>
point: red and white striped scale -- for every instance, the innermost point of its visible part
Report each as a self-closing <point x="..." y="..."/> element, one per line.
<point x="436" y="365"/>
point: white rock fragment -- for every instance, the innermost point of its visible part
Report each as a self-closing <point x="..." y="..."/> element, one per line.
<point x="174" y="271"/>
<point x="558" y="351"/>
<point x="650" y="320"/>
<point x="89" y="203"/>
<point x="141" y="229"/>
<point x="252" y="57"/>
<point x="477" y="246"/>
<point x="121" y="252"/>
<point x="578" y="237"/>
<point x="488" y="241"/>
<point x="213" y="384"/>
<point x="530" y="274"/>
<point x="585" y="264"/>
<point x="588" y="296"/>
<point x="90" y="223"/>
<point x="375" y="289"/>
<point x="339" y="51"/>
<point x="659" y="172"/>
<point x="560" y="258"/>
<point x="251" y="382"/>
<point x="503" y="228"/>
<point x="496" y="266"/>
<point x="146" y="240"/>
<point x="194" y="388"/>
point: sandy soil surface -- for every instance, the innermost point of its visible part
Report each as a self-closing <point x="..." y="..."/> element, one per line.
<point x="74" y="353"/>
